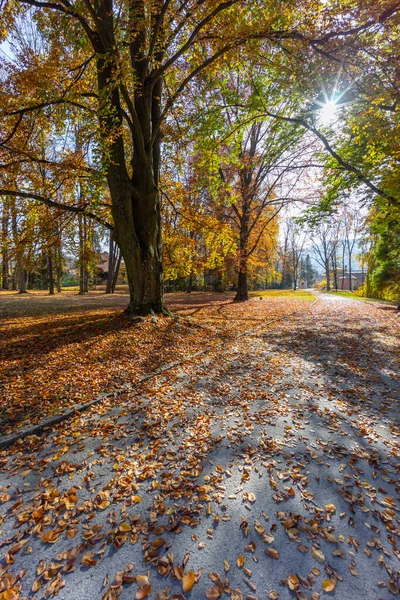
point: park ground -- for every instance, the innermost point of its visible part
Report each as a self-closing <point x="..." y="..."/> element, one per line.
<point x="265" y="467"/>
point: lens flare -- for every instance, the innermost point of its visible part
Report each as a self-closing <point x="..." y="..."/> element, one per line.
<point x="328" y="112"/>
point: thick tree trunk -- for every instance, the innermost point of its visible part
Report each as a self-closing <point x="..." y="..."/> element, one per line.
<point x="242" y="293"/>
<point x="4" y="246"/>
<point x="189" y="286"/>
<point x="81" y="257"/>
<point x="58" y="261"/>
<point x="138" y="235"/>
<point x="50" y="274"/>
<point x="22" y="281"/>
<point x="328" y="278"/>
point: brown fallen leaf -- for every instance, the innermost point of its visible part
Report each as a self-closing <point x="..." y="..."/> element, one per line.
<point x="212" y="593"/>
<point x="188" y="581"/>
<point x="143" y="591"/>
<point x="88" y="559"/>
<point x="272" y="553"/>
<point x="293" y="582"/>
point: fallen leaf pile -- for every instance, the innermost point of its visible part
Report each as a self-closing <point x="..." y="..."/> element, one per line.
<point x="51" y="361"/>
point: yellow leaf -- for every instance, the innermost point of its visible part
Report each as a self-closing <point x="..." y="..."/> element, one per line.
<point x="293" y="582"/>
<point x="328" y="585"/>
<point x="188" y="581"/>
<point x="240" y="561"/>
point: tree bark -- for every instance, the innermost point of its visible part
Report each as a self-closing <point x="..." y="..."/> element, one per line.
<point x="81" y="257"/>
<point x="50" y="274"/>
<point x="22" y="281"/>
<point x="136" y="206"/>
<point x="110" y="274"/>
<point x="242" y="294"/>
<point x="116" y="273"/>
<point x="189" y="286"/>
<point x="328" y="277"/>
<point x="4" y="246"/>
<point x="350" y="282"/>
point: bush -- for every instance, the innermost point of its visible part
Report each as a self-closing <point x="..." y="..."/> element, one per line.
<point x="362" y="291"/>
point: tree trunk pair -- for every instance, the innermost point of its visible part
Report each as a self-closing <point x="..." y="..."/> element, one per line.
<point x="136" y="206"/>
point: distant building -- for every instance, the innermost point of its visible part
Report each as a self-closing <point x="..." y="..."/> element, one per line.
<point x="357" y="280"/>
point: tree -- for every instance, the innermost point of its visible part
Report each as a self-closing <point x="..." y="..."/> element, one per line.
<point x="323" y="238"/>
<point x="383" y="257"/>
<point x="5" y="217"/>
<point x="309" y="272"/>
<point x="294" y="241"/>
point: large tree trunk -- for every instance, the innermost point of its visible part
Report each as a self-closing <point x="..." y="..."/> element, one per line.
<point x="189" y="286"/>
<point x="81" y="256"/>
<point x="136" y="204"/>
<point x="242" y="293"/>
<point x="4" y="246"/>
<point x="22" y="281"/>
<point x="20" y="275"/>
<point x="327" y="275"/>
<point x="50" y="274"/>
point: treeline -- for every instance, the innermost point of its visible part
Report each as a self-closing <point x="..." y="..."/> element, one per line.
<point x="38" y="243"/>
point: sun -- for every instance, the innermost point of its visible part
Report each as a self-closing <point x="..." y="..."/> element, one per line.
<point x="328" y="112"/>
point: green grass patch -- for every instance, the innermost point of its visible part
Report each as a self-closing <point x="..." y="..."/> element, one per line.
<point x="284" y="294"/>
<point x="345" y="294"/>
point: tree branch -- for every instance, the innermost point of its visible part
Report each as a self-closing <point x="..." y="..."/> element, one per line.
<point x="54" y="204"/>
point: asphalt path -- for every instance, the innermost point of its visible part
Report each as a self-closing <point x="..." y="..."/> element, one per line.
<point x="268" y="469"/>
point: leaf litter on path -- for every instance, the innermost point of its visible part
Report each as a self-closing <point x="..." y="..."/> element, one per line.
<point x="154" y="495"/>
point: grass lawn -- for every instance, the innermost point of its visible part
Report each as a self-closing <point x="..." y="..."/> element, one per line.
<point x="284" y="294"/>
<point x="347" y="294"/>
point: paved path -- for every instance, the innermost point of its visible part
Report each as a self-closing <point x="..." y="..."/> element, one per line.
<point x="279" y="455"/>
